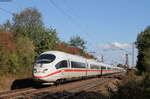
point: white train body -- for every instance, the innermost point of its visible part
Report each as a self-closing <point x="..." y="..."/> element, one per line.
<point x="55" y="65"/>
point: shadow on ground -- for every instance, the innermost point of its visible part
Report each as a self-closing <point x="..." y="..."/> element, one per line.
<point x="26" y="83"/>
<point x="29" y="82"/>
<point x="22" y="83"/>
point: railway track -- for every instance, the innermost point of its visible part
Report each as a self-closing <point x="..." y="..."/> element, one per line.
<point x="12" y="93"/>
<point x="63" y="90"/>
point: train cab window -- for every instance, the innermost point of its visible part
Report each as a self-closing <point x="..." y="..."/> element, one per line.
<point x="45" y="58"/>
<point x="77" y="64"/>
<point x="61" y="64"/>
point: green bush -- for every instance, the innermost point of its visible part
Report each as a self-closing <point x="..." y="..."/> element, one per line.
<point x="20" y="58"/>
<point x="25" y="51"/>
<point x="13" y="63"/>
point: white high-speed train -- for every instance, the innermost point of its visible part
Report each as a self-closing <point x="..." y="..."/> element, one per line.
<point x="53" y="66"/>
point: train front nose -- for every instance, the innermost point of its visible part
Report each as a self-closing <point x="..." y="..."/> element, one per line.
<point x="44" y="67"/>
<point x="40" y="73"/>
<point x="46" y="73"/>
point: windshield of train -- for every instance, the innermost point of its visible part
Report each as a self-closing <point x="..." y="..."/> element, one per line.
<point x="45" y="58"/>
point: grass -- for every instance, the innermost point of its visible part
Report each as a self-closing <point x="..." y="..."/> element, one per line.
<point x="7" y="80"/>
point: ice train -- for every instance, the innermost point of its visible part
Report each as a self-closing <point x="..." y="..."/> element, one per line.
<point x="55" y="66"/>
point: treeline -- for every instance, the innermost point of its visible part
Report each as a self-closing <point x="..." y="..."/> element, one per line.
<point x="25" y="37"/>
<point x="136" y="83"/>
<point x="143" y="45"/>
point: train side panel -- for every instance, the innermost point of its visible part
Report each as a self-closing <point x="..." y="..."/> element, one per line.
<point x="68" y="66"/>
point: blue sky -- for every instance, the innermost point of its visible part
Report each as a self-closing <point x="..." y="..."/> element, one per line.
<point x="99" y="22"/>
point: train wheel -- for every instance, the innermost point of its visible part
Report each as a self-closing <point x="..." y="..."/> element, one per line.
<point x="99" y="76"/>
<point x="57" y="83"/>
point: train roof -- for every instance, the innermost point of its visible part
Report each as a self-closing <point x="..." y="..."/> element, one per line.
<point x="70" y="56"/>
<point x="78" y="58"/>
<point x="66" y="55"/>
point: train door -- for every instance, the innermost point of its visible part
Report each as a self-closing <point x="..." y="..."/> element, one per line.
<point x="69" y="67"/>
<point x="86" y="68"/>
<point x="101" y="70"/>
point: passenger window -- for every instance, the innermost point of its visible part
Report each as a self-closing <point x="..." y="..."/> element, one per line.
<point x="77" y="65"/>
<point x="103" y="68"/>
<point x="62" y="64"/>
<point x="94" y="66"/>
<point x="109" y="68"/>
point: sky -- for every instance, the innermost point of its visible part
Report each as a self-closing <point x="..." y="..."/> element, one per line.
<point x="108" y="26"/>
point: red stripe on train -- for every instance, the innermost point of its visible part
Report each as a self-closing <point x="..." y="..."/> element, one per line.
<point x="68" y="70"/>
<point x="48" y="74"/>
<point x="82" y="70"/>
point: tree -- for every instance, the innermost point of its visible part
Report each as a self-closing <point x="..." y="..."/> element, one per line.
<point x="25" y="52"/>
<point x="7" y="26"/>
<point x="49" y="40"/>
<point x="1" y="58"/>
<point x="13" y="63"/>
<point x="66" y="48"/>
<point x="7" y="48"/>
<point x="22" y="39"/>
<point x="147" y="60"/>
<point x="121" y="65"/>
<point x="28" y="23"/>
<point x="78" y="42"/>
<point x="16" y="54"/>
<point x="143" y="45"/>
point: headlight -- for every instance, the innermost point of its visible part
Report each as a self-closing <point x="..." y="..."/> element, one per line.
<point x="45" y="70"/>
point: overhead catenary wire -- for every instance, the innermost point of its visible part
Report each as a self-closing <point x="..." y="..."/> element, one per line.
<point x="60" y="9"/>
<point x="72" y="20"/>
<point x="2" y="9"/>
<point x="68" y="16"/>
<point x="76" y="16"/>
